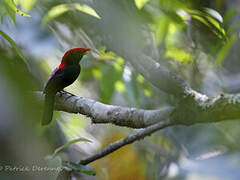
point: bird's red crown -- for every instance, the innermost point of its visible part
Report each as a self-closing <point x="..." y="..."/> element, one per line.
<point x="81" y="50"/>
<point x="63" y="62"/>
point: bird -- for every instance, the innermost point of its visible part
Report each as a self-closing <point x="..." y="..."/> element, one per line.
<point x="64" y="75"/>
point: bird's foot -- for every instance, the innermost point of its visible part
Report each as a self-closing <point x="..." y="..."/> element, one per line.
<point x="65" y="92"/>
<point x="61" y="93"/>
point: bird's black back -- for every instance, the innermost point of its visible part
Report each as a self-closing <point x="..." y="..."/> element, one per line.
<point x="62" y="78"/>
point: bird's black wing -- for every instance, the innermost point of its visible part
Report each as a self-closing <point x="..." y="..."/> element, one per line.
<point x="61" y="78"/>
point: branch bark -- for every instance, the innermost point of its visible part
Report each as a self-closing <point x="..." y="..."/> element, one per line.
<point x="193" y="108"/>
<point x="103" y="113"/>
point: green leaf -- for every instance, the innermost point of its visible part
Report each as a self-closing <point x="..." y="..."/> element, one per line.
<point x="161" y="28"/>
<point x="62" y="8"/>
<point x="225" y="49"/>
<point x="80" y="168"/>
<point x="132" y="90"/>
<point x="11" y="5"/>
<point x="179" y="55"/>
<point x="2" y="11"/>
<point x="210" y="18"/>
<point x="68" y="144"/>
<point x="140" y="3"/>
<point x="109" y="76"/>
<point x="119" y="86"/>
<point x="9" y="11"/>
<point x="13" y="44"/>
<point x="229" y="15"/>
<point x="27" y="4"/>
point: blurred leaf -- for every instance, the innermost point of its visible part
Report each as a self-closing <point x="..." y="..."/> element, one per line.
<point x="27" y="4"/>
<point x="225" y="49"/>
<point x="107" y="82"/>
<point x="132" y="91"/>
<point x="140" y="3"/>
<point x="214" y="14"/>
<point x="97" y="73"/>
<point x="11" y="4"/>
<point x="117" y="67"/>
<point x="80" y="168"/>
<point x="148" y="92"/>
<point x="13" y="44"/>
<point x="173" y="4"/>
<point x="232" y="28"/>
<point x="62" y="8"/>
<point x="210" y="18"/>
<point x="55" y="163"/>
<point x="119" y="86"/>
<point x="109" y="55"/>
<point x="229" y="15"/>
<point x="68" y="144"/>
<point x="173" y="16"/>
<point x="9" y="10"/>
<point x="2" y="11"/>
<point x="87" y="9"/>
<point x="87" y="73"/>
<point x="179" y="55"/>
<point x="140" y="78"/>
<point x="161" y="31"/>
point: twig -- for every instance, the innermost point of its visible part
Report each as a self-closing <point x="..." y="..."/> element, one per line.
<point x="129" y="139"/>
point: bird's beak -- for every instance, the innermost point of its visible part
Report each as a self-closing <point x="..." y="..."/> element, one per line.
<point x="86" y="49"/>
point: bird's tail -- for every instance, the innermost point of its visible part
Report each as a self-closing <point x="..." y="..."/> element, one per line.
<point x="48" y="108"/>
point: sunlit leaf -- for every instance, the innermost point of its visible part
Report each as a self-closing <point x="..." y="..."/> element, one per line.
<point x="16" y="2"/>
<point x="178" y="55"/>
<point x="119" y="86"/>
<point x="120" y="60"/>
<point x="9" y="10"/>
<point x="86" y="9"/>
<point x="107" y="82"/>
<point x="148" y="92"/>
<point x="214" y="14"/>
<point x="11" y="5"/>
<point x="140" y="3"/>
<point x="109" y="55"/>
<point x="160" y="27"/>
<point x="97" y="73"/>
<point x="225" y="49"/>
<point x="140" y="79"/>
<point x="117" y="67"/>
<point x="210" y="18"/>
<point x="173" y="4"/>
<point x="68" y="144"/>
<point x="27" y="4"/>
<point x="2" y="11"/>
<point x="173" y="16"/>
<point x="80" y="168"/>
<point x="62" y="8"/>
<point x="13" y="44"/>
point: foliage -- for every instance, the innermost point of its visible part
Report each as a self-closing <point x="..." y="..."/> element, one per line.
<point x="196" y="40"/>
<point x="13" y="44"/>
<point x="68" y="144"/>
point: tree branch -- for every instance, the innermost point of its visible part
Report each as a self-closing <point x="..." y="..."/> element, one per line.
<point x="128" y="140"/>
<point x="103" y="113"/>
<point x="198" y="108"/>
<point x="193" y="108"/>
